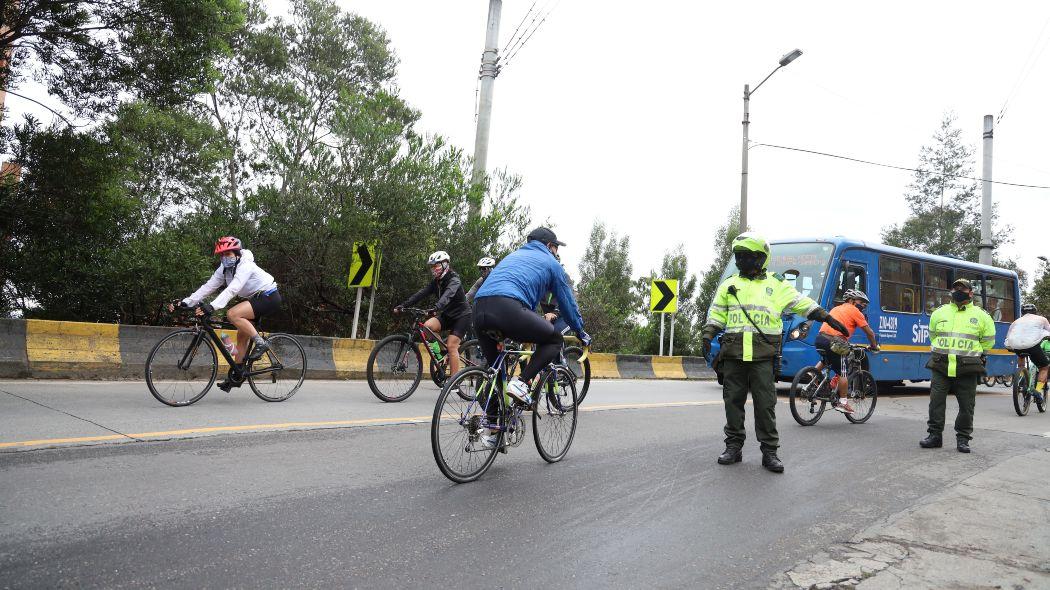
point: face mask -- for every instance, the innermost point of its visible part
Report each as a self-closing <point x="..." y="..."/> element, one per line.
<point x="748" y="262"/>
<point x="438" y="271"/>
<point x="960" y="296"/>
<point x="229" y="262"/>
<point x="861" y="306"/>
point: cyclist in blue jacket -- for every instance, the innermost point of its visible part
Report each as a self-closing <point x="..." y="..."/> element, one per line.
<point x="506" y="301"/>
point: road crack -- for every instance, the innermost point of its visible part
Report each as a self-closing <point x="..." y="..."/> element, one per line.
<point x="89" y="421"/>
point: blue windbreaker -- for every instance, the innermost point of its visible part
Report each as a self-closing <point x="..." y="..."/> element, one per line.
<point x="528" y="274"/>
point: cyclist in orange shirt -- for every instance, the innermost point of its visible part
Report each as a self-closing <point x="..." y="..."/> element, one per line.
<point x="850" y="314"/>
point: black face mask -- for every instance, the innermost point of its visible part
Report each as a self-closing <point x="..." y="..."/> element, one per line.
<point x="748" y="262"/>
<point x="861" y="306"/>
<point x="960" y="296"/>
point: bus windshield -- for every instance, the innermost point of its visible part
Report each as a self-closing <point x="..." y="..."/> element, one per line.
<point x="804" y="265"/>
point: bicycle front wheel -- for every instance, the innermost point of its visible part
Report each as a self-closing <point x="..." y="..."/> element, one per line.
<point x="554" y="414"/>
<point x="863" y="393"/>
<point x="459" y="427"/>
<point x="581" y="371"/>
<point x="1022" y="398"/>
<point x="806" y="408"/>
<point x="394" y="368"/>
<point x="285" y="366"/>
<point x="181" y="368"/>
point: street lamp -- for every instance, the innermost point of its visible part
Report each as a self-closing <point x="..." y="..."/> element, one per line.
<point x="788" y="58"/>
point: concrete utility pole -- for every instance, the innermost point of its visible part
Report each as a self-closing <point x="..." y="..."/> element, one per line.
<point x="985" y="255"/>
<point x="788" y="58"/>
<point x="489" y="71"/>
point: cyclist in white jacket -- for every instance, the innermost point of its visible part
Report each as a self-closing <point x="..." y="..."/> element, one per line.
<point x="241" y="277"/>
<point x="1026" y="336"/>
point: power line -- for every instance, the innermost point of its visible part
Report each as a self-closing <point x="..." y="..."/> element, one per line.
<point x="517" y="28"/>
<point x="1026" y="69"/>
<point x="905" y="168"/>
<point x="531" y="33"/>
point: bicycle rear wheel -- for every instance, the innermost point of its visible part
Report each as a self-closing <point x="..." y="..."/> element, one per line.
<point x="458" y="426"/>
<point x="582" y="371"/>
<point x="1022" y="398"/>
<point x="806" y="408"/>
<point x="394" y="368"/>
<point x="863" y="393"/>
<point x="555" y="412"/>
<point x="286" y="366"/>
<point x="181" y="368"/>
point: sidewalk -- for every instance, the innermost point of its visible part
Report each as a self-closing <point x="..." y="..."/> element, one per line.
<point x="992" y="530"/>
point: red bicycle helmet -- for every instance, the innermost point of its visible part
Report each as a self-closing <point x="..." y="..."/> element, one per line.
<point x="227" y="243"/>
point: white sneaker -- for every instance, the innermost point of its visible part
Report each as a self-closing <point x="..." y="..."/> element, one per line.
<point x="486" y="441"/>
<point x="518" y="390"/>
<point x="843" y="406"/>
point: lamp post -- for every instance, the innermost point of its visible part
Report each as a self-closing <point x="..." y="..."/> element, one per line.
<point x="788" y="58"/>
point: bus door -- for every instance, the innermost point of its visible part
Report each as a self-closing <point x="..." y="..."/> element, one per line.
<point x="854" y="273"/>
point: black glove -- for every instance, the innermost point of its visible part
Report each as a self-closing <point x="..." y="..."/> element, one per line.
<point x="585" y="338"/>
<point x="837" y="325"/>
<point x="705" y="348"/>
<point x="400" y="309"/>
<point x="207" y="308"/>
<point x="432" y="312"/>
<point x="180" y="303"/>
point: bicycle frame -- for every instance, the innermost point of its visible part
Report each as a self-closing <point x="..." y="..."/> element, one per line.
<point x="206" y="330"/>
<point x="499" y="371"/>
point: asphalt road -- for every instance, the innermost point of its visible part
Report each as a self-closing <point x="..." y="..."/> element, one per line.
<point x="335" y="488"/>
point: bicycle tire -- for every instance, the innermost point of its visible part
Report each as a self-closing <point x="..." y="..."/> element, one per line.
<point x="178" y="351"/>
<point x="863" y="394"/>
<point x="470" y="355"/>
<point x="451" y="429"/>
<point x="1022" y="399"/>
<point x="802" y="393"/>
<point x="572" y="356"/>
<point x="286" y="350"/>
<point x="404" y="349"/>
<point x="556" y="410"/>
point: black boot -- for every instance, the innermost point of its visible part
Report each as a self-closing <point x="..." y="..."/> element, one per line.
<point x="932" y="441"/>
<point x="730" y="455"/>
<point x="771" y="462"/>
<point x="963" y="445"/>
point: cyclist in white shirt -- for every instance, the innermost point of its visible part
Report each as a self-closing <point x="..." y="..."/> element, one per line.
<point x="241" y="277"/>
<point x="1025" y="336"/>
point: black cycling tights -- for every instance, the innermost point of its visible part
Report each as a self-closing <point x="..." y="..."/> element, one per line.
<point x="515" y="321"/>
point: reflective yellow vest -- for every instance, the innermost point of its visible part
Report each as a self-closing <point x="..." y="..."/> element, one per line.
<point x="958" y="338"/>
<point x="765" y="299"/>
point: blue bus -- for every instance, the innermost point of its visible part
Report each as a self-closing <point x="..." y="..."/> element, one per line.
<point x="904" y="287"/>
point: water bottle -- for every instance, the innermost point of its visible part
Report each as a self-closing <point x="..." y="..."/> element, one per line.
<point x="230" y="345"/>
<point x="435" y="348"/>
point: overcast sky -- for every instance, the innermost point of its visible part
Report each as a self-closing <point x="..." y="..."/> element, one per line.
<point x="629" y="112"/>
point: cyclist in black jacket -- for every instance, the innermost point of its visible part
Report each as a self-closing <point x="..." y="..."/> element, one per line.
<point x="451" y="311"/>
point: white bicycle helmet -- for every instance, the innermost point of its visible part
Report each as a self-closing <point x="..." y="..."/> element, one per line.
<point x="438" y="257"/>
<point x="486" y="262"/>
<point x="856" y="294"/>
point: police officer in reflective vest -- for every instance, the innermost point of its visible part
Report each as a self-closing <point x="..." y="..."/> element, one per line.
<point x="961" y="333"/>
<point x="748" y="307"/>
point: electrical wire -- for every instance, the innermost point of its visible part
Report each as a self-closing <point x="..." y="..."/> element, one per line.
<point x="1026" y="69"/>
<point x="905" y="168"/>
<point x="531" y="33"/>
<point x="517" y="28"/>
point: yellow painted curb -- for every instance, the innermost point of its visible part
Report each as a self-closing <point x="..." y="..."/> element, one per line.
<point x="53" y="346"/>
<point x="350" y="356"/>
<point x="603" y="366"/>
<point x="668" y="367"/>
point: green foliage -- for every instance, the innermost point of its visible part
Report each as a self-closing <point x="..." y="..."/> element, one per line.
<point x="92" y="54"/>
<point x="1040" y="293"/>
<point x="675" y="265"/>
<point x="945" y="209"/>
<point x="605" y="295"/>
<point x="723" y="252"/>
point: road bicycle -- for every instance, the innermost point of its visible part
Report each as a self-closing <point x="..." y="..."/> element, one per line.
<point x="183" y="366"/>
<point x="395" y="365"/>
<point x="811" y="389"/>
<point x="1023" y="397"/>
<point x="459" y="427"/>
<point x="573" y="357"/>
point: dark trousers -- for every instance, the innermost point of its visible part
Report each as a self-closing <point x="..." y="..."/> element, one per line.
<point x="965" y="390"/>
<point x="513" y="320"/>
<point x="756" y="377"/>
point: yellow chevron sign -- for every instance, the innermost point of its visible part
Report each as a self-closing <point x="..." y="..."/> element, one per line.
<point x="363" y="265"/>
<point x="663" y="296"/>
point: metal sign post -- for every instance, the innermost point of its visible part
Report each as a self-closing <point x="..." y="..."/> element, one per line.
<point x="670" y="343"/>
<point x="661" y="334"/>
<point x="363" y="263"/>
<point x="372" y="299"/>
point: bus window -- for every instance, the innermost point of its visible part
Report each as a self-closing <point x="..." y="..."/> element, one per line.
<point x="851" y="276"/>
<point x="999" y="299"/>
<point x="976" y="280"/>
<point x="937" y="283"/>
<point x="900" y="284"/>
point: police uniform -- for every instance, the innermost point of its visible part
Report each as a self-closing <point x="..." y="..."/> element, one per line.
<point x="959" y="339"/>
<point x="749" y="346"/>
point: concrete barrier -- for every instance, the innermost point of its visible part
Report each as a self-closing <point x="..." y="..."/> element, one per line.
<point x="78" y="350"/>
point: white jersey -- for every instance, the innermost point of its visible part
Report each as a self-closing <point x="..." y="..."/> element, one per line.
<point x="243" y="280"/>
<point x="1027" y="331"/>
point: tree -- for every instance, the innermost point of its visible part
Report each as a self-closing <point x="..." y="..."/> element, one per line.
<point x="722" y="249"/>
<point x="675" y="265"/>
<point x="606" y="298"/>
<point x="92" y="54"/>
<point x="1040" y="293"/>
<point x="945" y="206"/>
